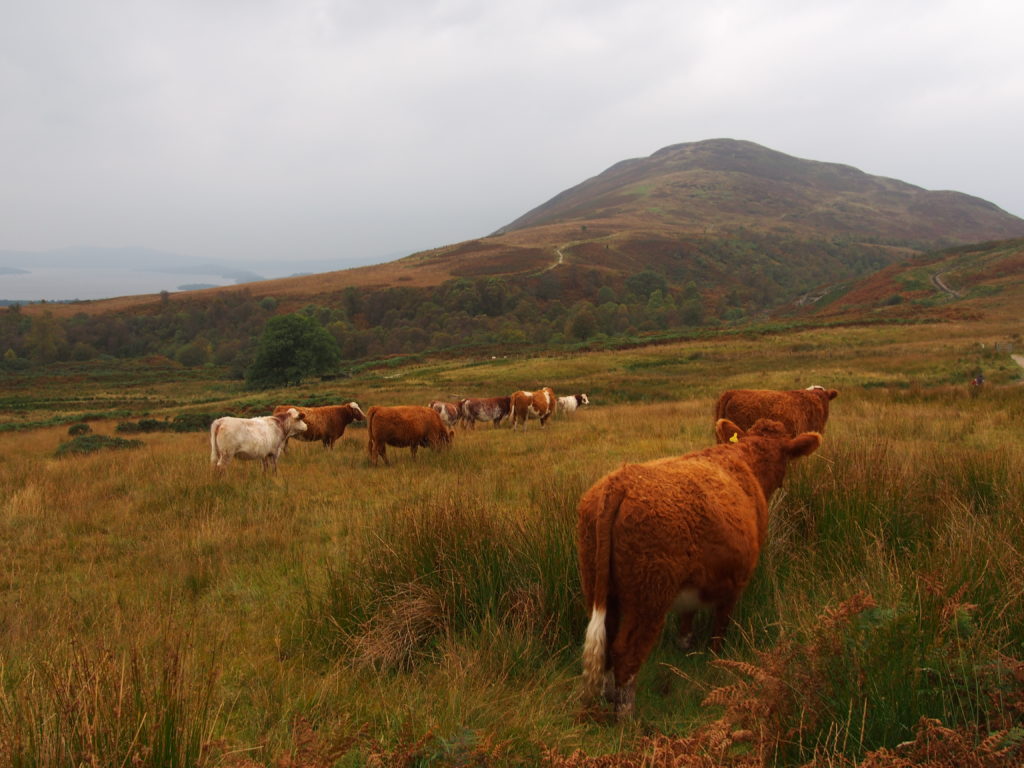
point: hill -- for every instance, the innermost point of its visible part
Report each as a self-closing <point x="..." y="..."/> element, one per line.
<point x="738" y="219"/>
<point x="724" y="185"/>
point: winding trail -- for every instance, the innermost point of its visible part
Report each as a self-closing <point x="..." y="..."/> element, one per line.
<point x="938" y="283"/>
<point x="559" y="261"/>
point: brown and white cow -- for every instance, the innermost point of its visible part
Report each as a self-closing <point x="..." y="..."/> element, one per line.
<point x="569" y="403"/>
<point x="799" y="410"/>
<point x="675" y="533"/>
<point x="532" y="405"/>
<point x="492" y="409"/>
<point x="411" y="426"/>
<point x="449" y="412"/>
<point x="260" y="438"/>
<point x="325" y="423"/>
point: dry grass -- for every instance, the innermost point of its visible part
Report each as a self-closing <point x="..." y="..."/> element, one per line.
<point x="427" y="613"/>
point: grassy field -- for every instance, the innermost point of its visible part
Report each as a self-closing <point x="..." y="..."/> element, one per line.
<point x="429" y="613"/>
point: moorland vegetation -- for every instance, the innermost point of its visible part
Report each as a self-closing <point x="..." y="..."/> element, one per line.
<point x="430" y="613"/>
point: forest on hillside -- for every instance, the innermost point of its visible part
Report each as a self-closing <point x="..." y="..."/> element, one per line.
<point x="683" y="288"/>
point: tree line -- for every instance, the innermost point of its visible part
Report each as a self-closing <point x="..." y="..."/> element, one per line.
<point x="573" y="303"/>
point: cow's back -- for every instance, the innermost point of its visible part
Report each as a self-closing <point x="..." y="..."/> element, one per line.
<point x="254" y="438"/>
<point x="403" y="425"/>
<point x="797" y="410"/>
<point x="696" y="520"/>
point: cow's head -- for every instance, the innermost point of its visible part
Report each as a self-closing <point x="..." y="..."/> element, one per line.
<point x="294" y="423"/>
<point x="582" y="399"/>
<point x="357" y="412"/>
<point x="831" y="394"/>
<point x="767" y="448"/>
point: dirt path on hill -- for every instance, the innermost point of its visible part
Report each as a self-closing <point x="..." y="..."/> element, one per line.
<point x="938" y="283"/>
<point x="1018" y="359"/>
<point x="558" y="262"/>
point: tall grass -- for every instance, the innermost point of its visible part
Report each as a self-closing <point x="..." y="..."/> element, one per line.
<point x="94" y="706"/>
<point x="430" y="612"/>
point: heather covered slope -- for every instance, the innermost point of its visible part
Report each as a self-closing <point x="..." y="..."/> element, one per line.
<point x="737" y="219"/>
<point x="724" y="184"/>
<point x="984" y="279"/>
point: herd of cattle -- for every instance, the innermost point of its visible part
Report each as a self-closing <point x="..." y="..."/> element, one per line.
<point x="263" y="438"/>
<point x="673" y="534"/>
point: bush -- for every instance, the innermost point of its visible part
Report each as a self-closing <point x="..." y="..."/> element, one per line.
<point x="192" y="422"/>
<point x="79" y="429"/>
<point x="92" y="443"/>
<point x="153" y="425"/>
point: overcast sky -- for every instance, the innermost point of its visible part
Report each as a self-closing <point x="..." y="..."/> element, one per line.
<point x="274" y="130"/>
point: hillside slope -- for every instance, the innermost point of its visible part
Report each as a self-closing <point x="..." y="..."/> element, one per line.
<point x="723" y="183"/>
<point x="746" y="225"/>
<point x="984" y="279"/>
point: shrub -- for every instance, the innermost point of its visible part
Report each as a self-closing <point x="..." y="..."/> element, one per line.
<point x="153" y="425"/>
<point x="192" y="422"/>
<point x="79" y="429"/>
<point x="93" y="443"/>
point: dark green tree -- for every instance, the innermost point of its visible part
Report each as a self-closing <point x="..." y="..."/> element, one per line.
<point x="582" y="322"/>
<point x="643" y="284"/>
<point x="291" y="348"/>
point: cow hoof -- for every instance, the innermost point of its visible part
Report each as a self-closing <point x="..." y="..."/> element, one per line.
<point x="684" y="642"/>
<point x="610" y="692"/>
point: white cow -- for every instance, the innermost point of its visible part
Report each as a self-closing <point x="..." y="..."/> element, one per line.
<point x="449" y="412"/>
<point x="569" y="403"/>
<point x="260" y="438"/>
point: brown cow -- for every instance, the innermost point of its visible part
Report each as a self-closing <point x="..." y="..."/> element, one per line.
<point x="799" y="410"/>
<point x="537" y="405"/>
<point x="492" y="409"/>
<point x="675" y="533"/>
<point x="409" y="426"/>
<point x="326" y="423"/>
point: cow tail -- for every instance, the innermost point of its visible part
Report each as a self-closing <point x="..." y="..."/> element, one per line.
<point x="595" y="646"/>
<point x="369" y="431"/>
<point x="214" y="428"/>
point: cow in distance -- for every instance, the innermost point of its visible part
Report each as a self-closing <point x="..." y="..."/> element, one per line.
<point x="568" y="404"/>
<point x="492" y="409"/>
<point x="449" y="412"/>
<point x="325" y="423"/>
<point x="405" y="426"/>
<point x="798" y="410"/>
<point x="532" y="405"/>
<point x="256" y="439"/>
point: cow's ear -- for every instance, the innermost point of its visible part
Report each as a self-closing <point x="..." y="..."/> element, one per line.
<point x="727" y="432"/>
<point x="803" y="444"/>
<point x="833" y="394"/>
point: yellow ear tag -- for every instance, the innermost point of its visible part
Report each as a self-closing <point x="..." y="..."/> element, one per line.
<point x="735" y="438"/>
